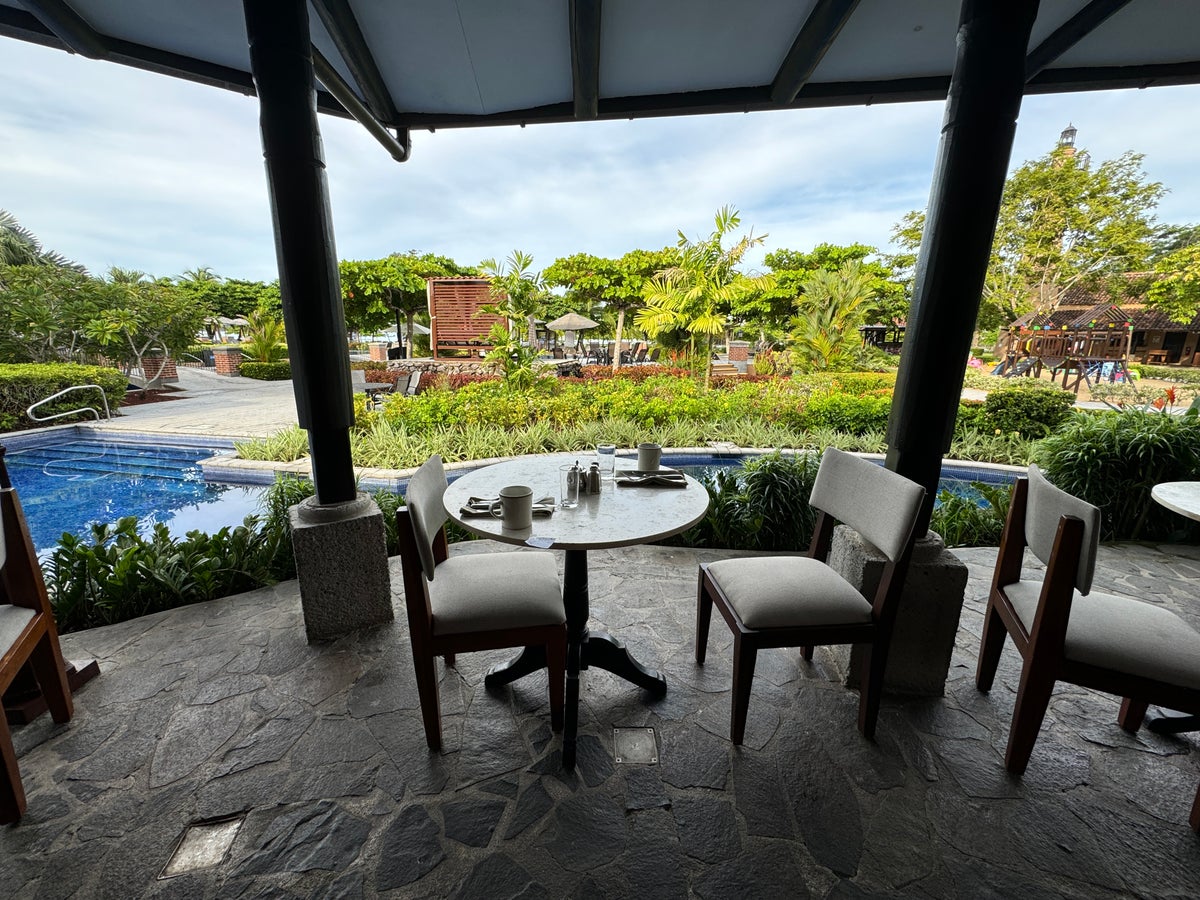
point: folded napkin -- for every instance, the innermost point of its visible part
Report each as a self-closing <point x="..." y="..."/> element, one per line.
<point x="651" y="479"/>
<point x="482" y="506"/>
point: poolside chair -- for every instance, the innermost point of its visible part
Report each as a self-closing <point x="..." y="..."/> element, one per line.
<point x="28" y="636"/>
<point x="473" y="602"/>
<point x="400" y="385"/>
<point x="654" y="354"/>
<point x="798" y="601"/>
<point x="414" y="382"/>
<point x="1064" y="631"/>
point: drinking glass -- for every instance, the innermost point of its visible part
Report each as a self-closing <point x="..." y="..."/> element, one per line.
<point x="568" y="479"/>
<point x="606" y="455"/>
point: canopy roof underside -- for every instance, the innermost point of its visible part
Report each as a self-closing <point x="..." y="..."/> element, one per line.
<point x="439" y="64"/>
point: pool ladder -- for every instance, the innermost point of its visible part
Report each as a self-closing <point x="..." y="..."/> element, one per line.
<point x="78" y="387"/>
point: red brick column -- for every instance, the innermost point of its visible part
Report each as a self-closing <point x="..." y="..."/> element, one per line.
<point x="151" y="363"/>
<point x="379" y="352"/>
<point x="227" y="359"/>
<point x="739" y="351"/>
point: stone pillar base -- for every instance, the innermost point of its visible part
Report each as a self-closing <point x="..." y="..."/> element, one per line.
<point x="341" y="562"/>
<point x="927" y="622"/>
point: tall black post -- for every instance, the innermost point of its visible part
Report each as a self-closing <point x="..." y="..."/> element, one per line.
<point x="964" y="201"/>
<point x="281" y="63"/>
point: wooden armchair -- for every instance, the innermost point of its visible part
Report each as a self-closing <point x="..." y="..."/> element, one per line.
<point x="478" y="602"/>
<point x="1064" y="631"/>
<point x="798" y="601"/>
<point x="28" y="636"/>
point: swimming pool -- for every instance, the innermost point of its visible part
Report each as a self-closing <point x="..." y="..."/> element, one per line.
<point x="67" y="482"/>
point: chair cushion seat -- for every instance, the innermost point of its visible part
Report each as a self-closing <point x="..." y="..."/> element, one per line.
<point x="492" y="591"/>
<point x="1121" y="634"/>
<point x="788" y="592"/>
<point x="13" y="620"/>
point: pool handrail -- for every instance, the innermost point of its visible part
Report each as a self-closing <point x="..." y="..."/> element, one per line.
<point x="77" y="387"/>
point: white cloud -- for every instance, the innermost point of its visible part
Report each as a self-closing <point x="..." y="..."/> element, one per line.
<point x="113" y="166"/>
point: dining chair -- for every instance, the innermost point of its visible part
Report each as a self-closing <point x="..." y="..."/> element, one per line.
<point x="799" y="601"/>
<point x="1065" y="631"/>
<point x="28" y="637"/>
<point x="472" y="602"/>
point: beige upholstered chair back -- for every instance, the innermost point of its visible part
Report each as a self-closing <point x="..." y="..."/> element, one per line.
<point x="876" y="502"/>
<point x="1045" y="506"/>
<point x="424" y="501"/>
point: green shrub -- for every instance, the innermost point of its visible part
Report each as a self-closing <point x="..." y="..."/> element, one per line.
<point x="963" y="521"/>
<point x="1112" y="460"/>
<point x="266" y="371"/>
<point x="1170" y="373"/>
<point x="1028" y="408"/>
<point x="848" y="413"/>
<point x="120" y="575"/>
<point x="761" y="506"/>
<point x="24" y="384"/>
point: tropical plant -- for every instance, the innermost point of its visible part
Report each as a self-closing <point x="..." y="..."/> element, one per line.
<point x="1113" y="459"/>
<point x="695" y="296"/>
<point x="20" y="247"/>
<point x="1177" y="290"/>
<point x="264" y="338"/>
<point x="972" y="518"/>
<point x="833" y="305"/>
<point x="1027" y="407"/>
<point x="44" y="311"/>
<point x="517" y="294"/>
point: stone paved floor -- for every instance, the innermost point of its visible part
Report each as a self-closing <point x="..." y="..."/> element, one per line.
<point x="222" y="708"/>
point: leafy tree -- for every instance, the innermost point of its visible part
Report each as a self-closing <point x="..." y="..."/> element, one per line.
<point x="144" y="316"/>
<point x="1177" y="291"/>
<point x="230" y="297"/>
<point x="696" y="295"/>
<point x="1061" y="223"/>
<point x="832" y="306"/>
<point x="615" y="284"/>
<point x="43" y="310"/>
<point x="1167" y="239"/>
<point x="376" y="292"/>
<point x="793" y="269"/>
<point x="20" y="247"/>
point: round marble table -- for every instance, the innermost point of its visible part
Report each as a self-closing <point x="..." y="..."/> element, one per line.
<point x="1182" y="497"/>
<point x="616" y="517"/>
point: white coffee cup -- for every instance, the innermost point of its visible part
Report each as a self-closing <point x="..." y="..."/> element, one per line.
<point x="649" y="457"/>
<point x="515" y="507"/>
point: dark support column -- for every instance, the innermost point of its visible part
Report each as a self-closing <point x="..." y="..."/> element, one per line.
<point x="281" y="63"/>
<point x="972" y="162"/>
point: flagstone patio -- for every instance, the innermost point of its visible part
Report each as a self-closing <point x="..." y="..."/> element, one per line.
<point x="222" y="709"/>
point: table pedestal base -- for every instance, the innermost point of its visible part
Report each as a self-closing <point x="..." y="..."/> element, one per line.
<point x="1172" y="723"/>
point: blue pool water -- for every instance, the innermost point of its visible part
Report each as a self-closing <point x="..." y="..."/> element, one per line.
<point x="69" y="484"/>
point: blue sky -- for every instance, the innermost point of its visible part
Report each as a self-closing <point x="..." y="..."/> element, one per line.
<point x="112" y="166"/>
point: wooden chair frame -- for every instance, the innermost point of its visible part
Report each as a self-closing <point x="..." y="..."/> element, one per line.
<point x="1042" y="645"/>
<point x="876" y="634"/>
<point x="37" y="645"/>
<point x="426" y="645"/>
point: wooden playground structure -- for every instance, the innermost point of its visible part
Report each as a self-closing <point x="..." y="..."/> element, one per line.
<point x="1086" y="348"/>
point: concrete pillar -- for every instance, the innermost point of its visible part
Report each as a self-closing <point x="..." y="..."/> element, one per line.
<point x="927" y="621"/>
<point x="341" y="563"/>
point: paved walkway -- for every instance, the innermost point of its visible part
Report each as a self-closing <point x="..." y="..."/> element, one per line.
<point x="222" y="709"/>
<point x="214" y="405"/>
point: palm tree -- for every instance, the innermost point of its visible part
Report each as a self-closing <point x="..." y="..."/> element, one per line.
<point x="696" y="295"/>
<point x="829" y="313"/>
<point x="20" y="247"/>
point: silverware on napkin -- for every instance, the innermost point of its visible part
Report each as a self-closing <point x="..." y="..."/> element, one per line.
<point x="482" y="506"/>
<point x="652" y="479"/>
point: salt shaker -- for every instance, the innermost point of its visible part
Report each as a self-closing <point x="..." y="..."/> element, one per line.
<point x="593" y="479"/>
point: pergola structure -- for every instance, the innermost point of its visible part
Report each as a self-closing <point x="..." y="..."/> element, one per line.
<point x="402" y="67"/>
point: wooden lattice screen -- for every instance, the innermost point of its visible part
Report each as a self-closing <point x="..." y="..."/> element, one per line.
<point x="456" y="326"/>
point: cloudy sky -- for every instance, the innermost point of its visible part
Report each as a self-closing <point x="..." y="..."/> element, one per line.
<point x="112" y="166"/>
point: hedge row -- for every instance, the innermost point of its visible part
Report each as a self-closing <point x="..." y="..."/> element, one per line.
<point x="263" y="371"/>
<point x="24" y="384"/>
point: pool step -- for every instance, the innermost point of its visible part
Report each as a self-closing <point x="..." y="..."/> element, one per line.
<point x="129" y="461"/>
